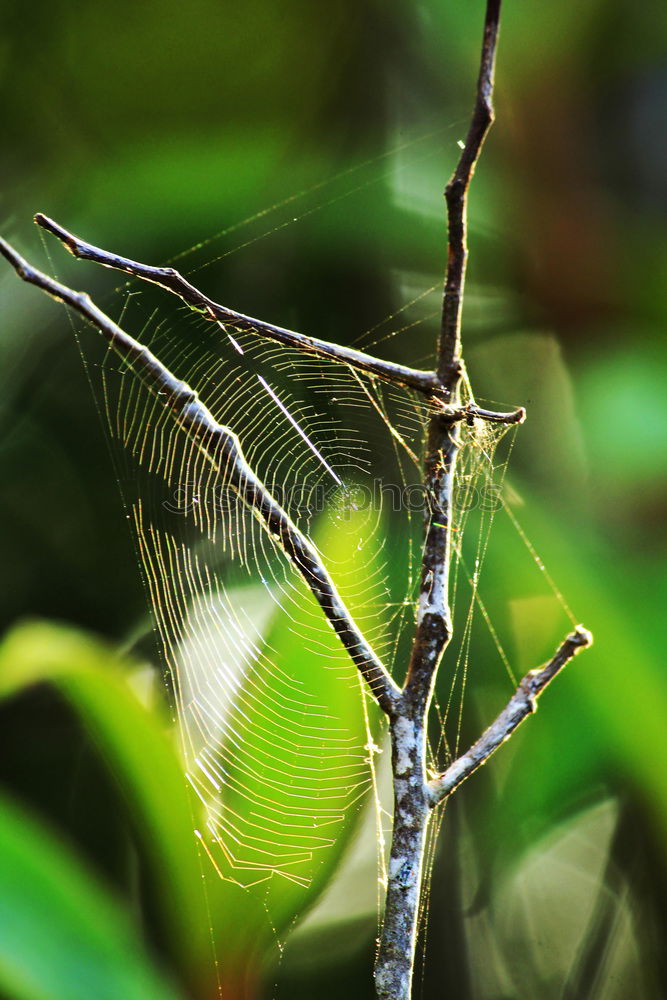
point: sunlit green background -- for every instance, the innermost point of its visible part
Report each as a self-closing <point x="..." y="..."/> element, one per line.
<point x="150" y="127"/>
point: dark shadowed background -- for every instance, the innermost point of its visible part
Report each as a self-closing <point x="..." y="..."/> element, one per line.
<point x="151" y="127"/>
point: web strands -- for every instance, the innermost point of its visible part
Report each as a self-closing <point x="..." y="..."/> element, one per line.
<point x="274" y="735"/>
<point x="276" y="741"/>
<point x="480" y="494"/>
<point x="483" y="457"/>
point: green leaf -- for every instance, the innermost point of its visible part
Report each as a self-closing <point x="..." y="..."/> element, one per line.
<point x="252" y="921"/>
<point x="240" y="924"/>
<point x="62" y="937"/>
<point x="140" y="753"/>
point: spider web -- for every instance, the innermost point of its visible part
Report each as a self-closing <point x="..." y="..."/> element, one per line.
<point x="276" y="768"/>
<point x="278" y="744"/>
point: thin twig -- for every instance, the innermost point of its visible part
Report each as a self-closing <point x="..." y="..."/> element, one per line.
<point x="434" y="626"/>
<point x="456" y="193"/>
<point x="173" y="281"/>
<point x="221" y="447"/>
<point x="522" y="704"/>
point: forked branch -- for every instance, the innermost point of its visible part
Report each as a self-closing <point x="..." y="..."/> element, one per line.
<point x="414" y="798"/>
<point x="221" y="447"/>
<point x="522" y="704"/>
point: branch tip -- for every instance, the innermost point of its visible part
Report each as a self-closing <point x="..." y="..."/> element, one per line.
<point x="581" y="637"/>
<point x="45" y="222"/>
<point x="523" y="703"/>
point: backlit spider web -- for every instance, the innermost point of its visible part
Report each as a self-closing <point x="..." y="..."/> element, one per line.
<point x="277" y="743"/>
<point x="278" y="750"/>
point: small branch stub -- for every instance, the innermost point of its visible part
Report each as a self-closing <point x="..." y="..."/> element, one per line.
<point x="522" y="704"/>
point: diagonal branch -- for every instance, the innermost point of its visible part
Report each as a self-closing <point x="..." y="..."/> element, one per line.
<point x="221" y="447"/>
<point x="168" y="278"/>
<point x="174" y="282"/>
<point x="522" y="704"/>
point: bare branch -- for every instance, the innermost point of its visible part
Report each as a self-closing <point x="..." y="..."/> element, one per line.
<point x="522" y="704"/>
<point x="434" y="626"/>
<point x="395" y="960"/>
<point x="456" y="193"/>
<point x="168" y="278"/>
<point x="174" y="282"/>
<point x="415" y="795"/>
<point x="221" y="447"/>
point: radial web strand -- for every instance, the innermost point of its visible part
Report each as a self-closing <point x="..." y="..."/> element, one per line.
<point x="277" y="743"/>
<point x="276" y="748"/>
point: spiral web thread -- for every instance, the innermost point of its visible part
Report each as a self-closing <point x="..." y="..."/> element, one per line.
<point x="277" y="769"/>
<point x="277" y="759"/>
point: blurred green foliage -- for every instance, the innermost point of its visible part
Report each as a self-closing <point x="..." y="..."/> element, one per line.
<point x="61" y="935"/>
<point x="152" y="127"/>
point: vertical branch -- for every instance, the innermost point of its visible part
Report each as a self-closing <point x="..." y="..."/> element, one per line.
<point x="434" y="626"/>
<point x="412" y="800"/>
<point x="456" y="193"/>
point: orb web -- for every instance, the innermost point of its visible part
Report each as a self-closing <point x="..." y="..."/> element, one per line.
<point x="278" y="744"/>
<point x="276" y="748"/>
